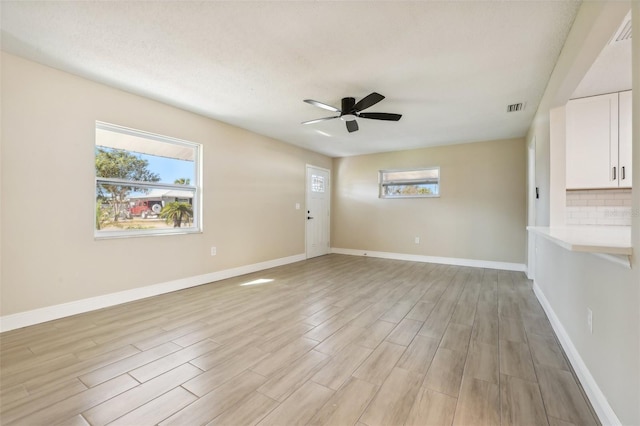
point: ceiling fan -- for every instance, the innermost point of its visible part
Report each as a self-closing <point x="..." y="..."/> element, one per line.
<point x="352" y="110"/>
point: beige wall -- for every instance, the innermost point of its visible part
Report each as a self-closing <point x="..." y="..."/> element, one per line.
<point x="479" y="215"/>
<point x="49" y="256"/>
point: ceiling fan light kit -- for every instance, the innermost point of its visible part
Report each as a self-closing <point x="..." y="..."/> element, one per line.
<point x="352" y="110"/>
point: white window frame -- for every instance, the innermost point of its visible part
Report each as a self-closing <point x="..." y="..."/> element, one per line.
<point x="382" y="183"/>
<point x="195" y="187"/>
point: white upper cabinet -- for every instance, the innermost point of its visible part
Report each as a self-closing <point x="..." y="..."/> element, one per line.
<point x="625" y="140"/>
<point x="599" y="141"/>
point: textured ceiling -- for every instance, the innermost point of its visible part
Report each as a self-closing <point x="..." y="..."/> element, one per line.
<point x="451" y="68"/>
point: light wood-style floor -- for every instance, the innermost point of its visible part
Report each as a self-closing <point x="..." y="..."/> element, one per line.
<point x="336" y="340"/>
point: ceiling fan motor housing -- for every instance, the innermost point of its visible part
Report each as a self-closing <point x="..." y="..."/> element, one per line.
<point x="348" y="105"/>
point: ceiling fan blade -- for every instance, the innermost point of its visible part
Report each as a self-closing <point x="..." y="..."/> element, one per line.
<point x="352" y="126"/>
<point x="368" y="101"/>
<point x="321" y="105"/>
<point x="380" y="116"/>
<point x="317" y="120"/>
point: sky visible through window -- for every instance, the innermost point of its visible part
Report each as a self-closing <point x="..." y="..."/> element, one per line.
<point x="170" y="169"/>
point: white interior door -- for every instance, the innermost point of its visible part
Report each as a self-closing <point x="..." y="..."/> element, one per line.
<point x="317" y="211"/>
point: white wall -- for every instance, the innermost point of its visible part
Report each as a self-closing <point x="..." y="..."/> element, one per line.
<point x="49" y="255"/>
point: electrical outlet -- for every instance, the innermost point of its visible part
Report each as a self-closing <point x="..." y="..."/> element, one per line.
<point x="590" y="320"/>
<point x="297" y="206"/>
<point x="214" y="251"/>
<point x="416" y="240"/>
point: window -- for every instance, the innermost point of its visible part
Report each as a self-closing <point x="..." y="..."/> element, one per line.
<point x="317" y="183"/>
<point x="146" y="184"/>
<point x="414" y="183"/>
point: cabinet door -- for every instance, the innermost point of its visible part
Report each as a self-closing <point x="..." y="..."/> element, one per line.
<point x="624" y="138"/>
<point x="592" y="142"/>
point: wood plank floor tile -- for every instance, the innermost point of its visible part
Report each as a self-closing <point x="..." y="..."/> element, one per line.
<point x="420" y="311"/>
<point x="286" y="381"/>
<point x="437" y="322"/>
<point x="173" y="360"/>
<point x="508" y="309"/>
<point x="12" y="378"/>
<point x="284" y="356"/>
<point x="404" y="332"/>
<point x="347" y="405"/>
<point x="512" y="329"/>
<point x="375" y="334"/>
<point x="82" y="367"/>
<point x="456" y="337"/>
<point x="546" y="351"/>
<point x="379" y="364"/>
<point x="521" y="402"/>
<point x="485" y="329"/>
<point x="445" y="373"/>
<point x="115" y="369"/>
<point x="431" y="409"/>
<point x="537" y="324"/>
<point x="370" y="316"/>
<point x="340" y="339"/>
<point x="339" y="368"/>
<point x="140" y="395"/>
<point x="167" y="336"/>
<point x="46" y="397"/>
<point x="393" y="402"/>
<point x="272" y="344"/>
<point x="157" y="410"/>
<point x="478" y="404"/>
<point x="224" y="372"/>
<point x="223" y="353"/>
<point x="464" y="313"/>
<point x="10" y="395"/>
<point x="300" y="407"/>
<point x="557" y="422"/>
<point x="562" y="397"/>
<point x="247" y="412"/>
<point x="332" y="340"/>
<point x="397" y="312"/>
<point x="77" y="403"/>
<point x="323" y="315"/>
<point x="515" y="360"/>
<point x="214" y="403"/>
<point x="418" y="356"/>
<point x="483" y="362"/>
<point x="76" y="420"/>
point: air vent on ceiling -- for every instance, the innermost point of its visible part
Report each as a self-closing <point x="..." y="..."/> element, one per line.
<point x="515" y="107"/>
<point x="624" y="32"/>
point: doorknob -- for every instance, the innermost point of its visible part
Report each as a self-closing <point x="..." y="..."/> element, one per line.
<point x="309" y="217"/>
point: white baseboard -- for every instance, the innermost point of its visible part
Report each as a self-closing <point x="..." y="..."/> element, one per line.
<point x="37" y="316"/>
<point x="599" y="402"/>
<point x="489" y="264"/>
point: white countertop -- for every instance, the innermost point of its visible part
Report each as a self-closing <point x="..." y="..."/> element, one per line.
<point x="589" y="239"/>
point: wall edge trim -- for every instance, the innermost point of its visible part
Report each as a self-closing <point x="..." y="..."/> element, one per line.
<point x="598" y="400"/>
<point x="50" y="313"/>
<point x="489" y="264"/>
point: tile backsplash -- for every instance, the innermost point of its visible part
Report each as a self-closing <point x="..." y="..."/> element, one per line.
<point x="599" y="207"/>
